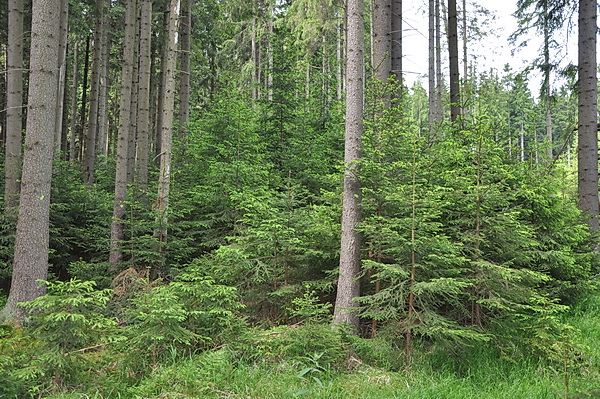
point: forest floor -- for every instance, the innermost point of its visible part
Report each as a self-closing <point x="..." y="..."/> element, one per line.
<point x="370" y="370"/>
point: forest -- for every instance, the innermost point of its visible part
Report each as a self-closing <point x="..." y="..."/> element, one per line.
<point x="259" y="199"/>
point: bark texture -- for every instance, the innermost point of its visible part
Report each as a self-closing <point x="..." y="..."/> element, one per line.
<point x="348" y="285"/>
<point x="453" y="58"/>
<point x="117" y="230"/>
<point x="14" y="104"/>
<point x="143" y="115"/>
<point x="164" y="178"/>
<point x="31" y="245"/>
<point x="587" y="109"/>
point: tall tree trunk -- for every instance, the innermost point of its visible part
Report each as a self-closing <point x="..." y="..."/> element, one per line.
<point x="164" y="177"/>
<point x="161" y="86"/>
<point x="453" y="58"/>
<point x="432" y="75"/>
<point x="465" y="38"/>
<point x="92" y="131"/>
<point x="73" y="118"/>
<point x="397" y="44"/>
<point x="185" y="75"/>
<point x="587" y="112"/>
<point x="62" y="72"/>
<point x="439" y="112"/>
<point x="254" y="52"/>
<point x="131" y="146"/>
<point x="103" y="94"/>
<point x="84" y="90"/>
<point x="117" y="230"/>
<point x="14" y="105"/>
<point x="143" y="115"/>
<point x="381" y="39"/>
<point x="32" y="236"/>
<point x="546" y="90"/>
<point x="338" y="56"/>
<point x="348" y="286"/>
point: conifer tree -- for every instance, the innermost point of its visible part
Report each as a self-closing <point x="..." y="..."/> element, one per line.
<point x="348" y="286"/>
<point x="31" y="246"/>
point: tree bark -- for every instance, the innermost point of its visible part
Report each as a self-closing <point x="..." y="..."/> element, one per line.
<point x="348" y="286"/>
<point x="62" y="72"/>
<point x="184" y="77"/>
<point x="32" y="236"/>
<point x="92" y="131"/>
<point x="84" y="99"/>
<point x="143" y="115"/>
<point x="14" y="105"/>
<point x="439" y="112"/>
<point x="73" y="123"/>
<point x="164" y="178"/>
<point x="397" y="44"/>
<point x="117" y="231"/>
<point x="453" y="58"/>
<point x="587" y="112"/>
<point x="432" y="75"/>
<point x="103" y="94"/>
<point x="382" y="43"/>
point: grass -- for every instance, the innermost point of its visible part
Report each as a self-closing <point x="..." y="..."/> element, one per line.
<point x="282" y="365"/>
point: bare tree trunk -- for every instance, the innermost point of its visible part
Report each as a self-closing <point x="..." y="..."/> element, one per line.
<point x="254" y="52"/>
<point x="73" y="124"/>
<point x="339" y="62"/>
<point x="546" y="90"/>
<point x="92" y="131"/>
<point x="348" y="286"/>
<point x="134" y="102"/>
<point x="161" y="88"/>
<point x="32" y="237"/>
<point x="432" y="75"/>
<point x="103" y="94"/>
<point x="185" y="75"/>
<point x="117" y="231"/>
<point x="62" y="72"/>
<point x="465" y="40"/>
<point x="270" y="52"/>
<point x="14" y="105"/>
<point x="143" y="115"/>
<point x="84" y="89"/>
<point x="439" y="113"/>
<point x="164" y="178"/>
<point x="381" y="38"/>
<point x="453" y="56"/>
<point x="587" y="112"/>
<point x="397" y="44"/>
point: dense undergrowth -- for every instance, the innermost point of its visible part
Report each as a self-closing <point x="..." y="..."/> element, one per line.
<point x="72" y="351"/>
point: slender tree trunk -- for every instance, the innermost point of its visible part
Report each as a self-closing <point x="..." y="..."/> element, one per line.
<point x="381" y="39"/>
<point x="439" y="113"/>
<point x="453" y="57"/>
<point x="254" y="52"/>
<point x="92" y="131"/>
<point x="73" y="124"/>
<point x="339" y="63"/>
<point x="133" y="130"/>
<point x="185" y="75"/>
<point x="587" y="112"/>
<point x="32" y="236"/>
<point x="348" y="285"/>
<point x="103" y="94"/>
<point x="62" y="72"/>
<point x="117" y="231"/>
<point x="161" y="88"/>
<point x="397" y="44"/>
<point x="164" y="178"/>
<point x="432" y="75"/>
<point x="465" y="40"/>
<point x="143" y="114"/>
<point x="14" y="105"/>
<point x="270" y="52"/>
<point x="84" y="89"/>
<point x="546" y="90"/>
